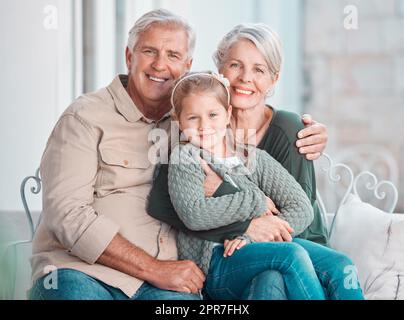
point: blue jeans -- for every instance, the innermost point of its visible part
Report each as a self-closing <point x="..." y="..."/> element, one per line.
<point x="229" y="278"/>
<point x="268" y="285"/>
<point x="336" y="272"/>
<point x="310" y="271"/>
<point x="76" y="285"/>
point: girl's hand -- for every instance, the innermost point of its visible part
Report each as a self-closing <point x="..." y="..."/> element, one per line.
<point x="231" y="245"/>
<point x="272" y="210"/>
<point x="212" y="180"/>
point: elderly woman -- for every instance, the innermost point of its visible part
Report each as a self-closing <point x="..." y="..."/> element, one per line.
<point x="250" y="56"/>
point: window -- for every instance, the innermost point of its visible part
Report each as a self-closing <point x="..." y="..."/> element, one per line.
<point x="40" y="76"/>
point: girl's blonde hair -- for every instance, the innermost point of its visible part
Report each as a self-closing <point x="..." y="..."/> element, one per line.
<point x="200" y="82"/>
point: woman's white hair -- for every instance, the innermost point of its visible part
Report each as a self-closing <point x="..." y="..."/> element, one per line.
<point x="264" y="38"/>
<point x="161" y="17"/>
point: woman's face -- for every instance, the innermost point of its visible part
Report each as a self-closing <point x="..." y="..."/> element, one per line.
<point x="249" y="76"/>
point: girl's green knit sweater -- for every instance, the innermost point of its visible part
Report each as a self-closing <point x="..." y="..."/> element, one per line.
<point x="262" y="176"/>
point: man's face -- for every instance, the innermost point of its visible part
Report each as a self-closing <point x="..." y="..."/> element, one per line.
<point x="159" y="58"/>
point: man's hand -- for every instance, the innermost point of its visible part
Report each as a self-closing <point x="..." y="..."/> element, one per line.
<point x="313" y="139"/>
<point x="212" y="180"/>
<point x="181" y="276"/>
<point x="268" y="228"/>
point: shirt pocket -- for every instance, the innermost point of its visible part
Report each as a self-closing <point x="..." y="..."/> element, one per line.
<point x="125" y="159"/>
<point x="123" y="169"/>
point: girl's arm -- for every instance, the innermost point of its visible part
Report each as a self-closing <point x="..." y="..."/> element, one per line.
<point x="285" y="192"/>
<point x="185" y="184"/>
<point x="159" y="206"/>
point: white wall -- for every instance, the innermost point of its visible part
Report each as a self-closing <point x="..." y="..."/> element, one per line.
<point x="36" y="84"/>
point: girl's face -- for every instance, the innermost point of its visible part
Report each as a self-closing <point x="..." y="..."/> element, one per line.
<point x="204" y="120"/>
<point x="249" y="76"/>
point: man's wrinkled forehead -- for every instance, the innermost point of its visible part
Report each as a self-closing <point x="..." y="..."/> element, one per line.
<point x="168" y="36"/>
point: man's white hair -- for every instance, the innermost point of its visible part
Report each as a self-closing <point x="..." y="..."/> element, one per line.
<point x="264" y="38"/>
<point x="161" y="17"/>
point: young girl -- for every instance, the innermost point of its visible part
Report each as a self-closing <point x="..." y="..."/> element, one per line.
<point x="201" y="104"/>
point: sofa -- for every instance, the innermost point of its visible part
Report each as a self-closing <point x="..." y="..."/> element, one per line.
<point x="372" y="237"/>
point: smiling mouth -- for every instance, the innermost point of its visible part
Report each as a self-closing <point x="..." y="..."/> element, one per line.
<point x="207" y="136"/>
<point x="244" y="92"/>
<point x="156" y="79"/>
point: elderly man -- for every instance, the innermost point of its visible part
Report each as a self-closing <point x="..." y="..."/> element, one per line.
<point x="96" y="178"/>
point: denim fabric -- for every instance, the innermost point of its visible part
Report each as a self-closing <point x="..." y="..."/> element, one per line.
<point x="268" y="285"/>
<point x="76" y="285"/>
<point x="257" y="271"/>
<point x="335" y="270"/>
<point x="229" y="278"/>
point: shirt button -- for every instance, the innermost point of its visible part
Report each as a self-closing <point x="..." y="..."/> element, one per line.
<point x="125" y="162"/>
<point x="161" y="240"/>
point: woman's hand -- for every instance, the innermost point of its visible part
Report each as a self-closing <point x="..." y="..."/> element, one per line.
<point x="268" y="228"/>
<point x="232" y="245"/>
<point x="313" y="139"/>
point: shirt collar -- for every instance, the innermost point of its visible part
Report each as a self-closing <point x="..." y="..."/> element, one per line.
<point x="124" y="103"/>
<point x="149" y="121"/>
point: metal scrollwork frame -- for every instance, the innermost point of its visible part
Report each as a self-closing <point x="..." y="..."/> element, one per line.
<point x="375" y="186"/>
<point x="35" y="190"/>
<point x="331" y="169"/>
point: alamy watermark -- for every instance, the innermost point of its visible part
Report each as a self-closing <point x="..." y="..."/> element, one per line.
<point x="50" y="21"/>
<point x="238" y="142"/>
<point x="50" y="282"/>
<point x="351" y="21"/>
<point x="351" y="280"/>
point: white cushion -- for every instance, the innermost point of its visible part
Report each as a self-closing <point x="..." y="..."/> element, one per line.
<point x="388" y="284"/>
<point x="372" y="238"/>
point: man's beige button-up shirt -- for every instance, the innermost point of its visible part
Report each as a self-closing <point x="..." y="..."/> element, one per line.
<point x="96" y="178"/>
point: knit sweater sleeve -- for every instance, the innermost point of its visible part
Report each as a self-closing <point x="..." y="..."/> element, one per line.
<point x="185" y="184"/>
<point x="284" y="191"/>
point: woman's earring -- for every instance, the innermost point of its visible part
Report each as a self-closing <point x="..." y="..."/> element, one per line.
<point x="271" y="93"/>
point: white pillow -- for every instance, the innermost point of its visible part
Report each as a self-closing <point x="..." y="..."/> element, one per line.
<point x="372" y="238"/>
<point x="389" y="284"/>
<point x="396" y="252"/>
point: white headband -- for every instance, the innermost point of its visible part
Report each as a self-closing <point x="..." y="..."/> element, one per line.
<point x="219" y="77"/>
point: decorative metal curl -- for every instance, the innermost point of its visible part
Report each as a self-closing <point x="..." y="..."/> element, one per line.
<point x="35" y="189"/>
<point x="375" y="185"/>
<point x="334" y="177"/>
